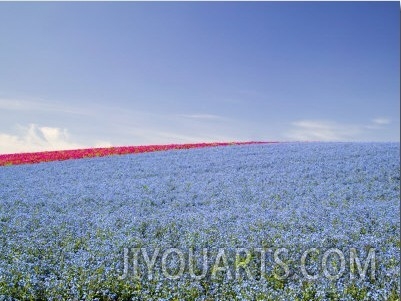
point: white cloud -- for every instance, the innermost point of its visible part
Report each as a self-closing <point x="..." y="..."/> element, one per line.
<point x="312" y="130"/>
<point x="174" y="137"/>
<point x="381" y="121"/>
<point x="40" y="105"/>
<point x="153" y="135"/>
<point x="378" y="123"/>
<point x="323" y="130"/>
<point x="202" y="116"/>
<point x="9" y="104"/>
<point x="35" y="138"/>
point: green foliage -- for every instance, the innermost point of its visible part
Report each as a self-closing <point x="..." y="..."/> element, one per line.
<point x="356" y="292"/>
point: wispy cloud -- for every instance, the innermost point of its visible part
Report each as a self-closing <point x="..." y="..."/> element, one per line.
<point x="378" y="123"/>
<point x="312" y="130"/>
<point x="40" y="105"/>
<point x="40" y="138"/>
<point x="154" y="135"/>
<point x="381" y="121"/>
<point x="202" y="116"/>
<point x="324" y="130"/>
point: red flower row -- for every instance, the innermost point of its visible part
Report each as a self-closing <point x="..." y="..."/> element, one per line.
<point x="37" y="157"/>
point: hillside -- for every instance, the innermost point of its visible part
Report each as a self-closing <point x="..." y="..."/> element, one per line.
<point x="291" y="221"/>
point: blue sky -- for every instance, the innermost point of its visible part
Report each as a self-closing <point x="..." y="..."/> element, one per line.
<point x="100" y="73"/>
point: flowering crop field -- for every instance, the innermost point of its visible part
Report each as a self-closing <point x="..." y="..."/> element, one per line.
<point x="286" y="221"/>
<point x="37" y="157"/>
